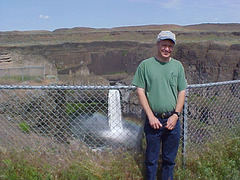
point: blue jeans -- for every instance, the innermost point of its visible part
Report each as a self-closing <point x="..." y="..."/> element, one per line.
<point x="170" y="142"/>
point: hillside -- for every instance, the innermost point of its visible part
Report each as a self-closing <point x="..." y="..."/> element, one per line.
<point x="225" y="33"/>
<point x="209" y="52"/>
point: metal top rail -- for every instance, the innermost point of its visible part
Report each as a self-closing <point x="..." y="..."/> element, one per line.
<point x="40" y="67"/>
<point x="107" y="87"/>
<point x="65" y="87"/>
<point x="213" y="84"/>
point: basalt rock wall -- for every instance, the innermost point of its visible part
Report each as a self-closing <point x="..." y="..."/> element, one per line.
<point x="203" y="62"/>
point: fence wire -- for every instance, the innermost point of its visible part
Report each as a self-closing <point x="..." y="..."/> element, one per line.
<point x="46" y="118"/>
<point x="59" y="119"/>
<point x="211" y="113"/>
<point x="25" y="73"/>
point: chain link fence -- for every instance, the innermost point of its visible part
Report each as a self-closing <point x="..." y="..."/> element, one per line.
<point x="60" y="119"/>
<point x="211" y="113"/>
<point x="25" y="73"/>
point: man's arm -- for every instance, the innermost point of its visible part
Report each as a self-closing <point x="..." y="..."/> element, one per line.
<point x="154" y="122"/>
<point x="172" y="120"/>
<point x="180" y="101"/>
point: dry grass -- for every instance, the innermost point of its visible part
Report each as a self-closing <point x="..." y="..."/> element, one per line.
<point x="145" y="34"/>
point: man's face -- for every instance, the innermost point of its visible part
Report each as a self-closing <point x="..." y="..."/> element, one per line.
<point x="165" y="48"/>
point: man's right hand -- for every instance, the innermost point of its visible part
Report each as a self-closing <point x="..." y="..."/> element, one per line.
<point x="154" y="122"/>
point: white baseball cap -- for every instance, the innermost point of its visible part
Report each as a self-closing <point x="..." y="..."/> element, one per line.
<point x="163" y="35"/>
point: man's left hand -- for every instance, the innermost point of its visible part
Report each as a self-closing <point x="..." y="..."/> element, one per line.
<point x="171" y="122"/>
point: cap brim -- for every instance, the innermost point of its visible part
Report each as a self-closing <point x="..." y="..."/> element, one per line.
<point x="165" y="38"/>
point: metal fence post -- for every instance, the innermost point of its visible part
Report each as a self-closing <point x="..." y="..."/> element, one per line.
<point x="184" y="127"/>
<point x="44" y="71"/>
<point x="22" y="74"/>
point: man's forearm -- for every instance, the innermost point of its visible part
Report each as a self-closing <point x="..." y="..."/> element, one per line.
<point x="153" y="121"/>
<point x="144" y="102"/>
<point x="180" y="101"/>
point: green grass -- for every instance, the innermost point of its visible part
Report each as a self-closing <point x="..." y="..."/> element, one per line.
<point x="24" y="127"/>
<point x="219" y="160"/>
<point x="16" y="79"/>
<point x="77" y="109"/>
<point x="81" y="165"/>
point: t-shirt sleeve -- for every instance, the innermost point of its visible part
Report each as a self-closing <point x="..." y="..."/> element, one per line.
<point x="182" y="82"/>
<point x="139" y="79"/>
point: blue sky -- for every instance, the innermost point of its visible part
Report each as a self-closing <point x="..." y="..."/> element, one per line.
<point x="25" y="15"/>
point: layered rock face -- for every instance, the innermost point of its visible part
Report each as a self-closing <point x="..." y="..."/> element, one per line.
<point x="209" y="62"/>
<point x="203" y="62"/>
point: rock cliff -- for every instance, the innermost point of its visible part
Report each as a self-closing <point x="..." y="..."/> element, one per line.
<point x="114" y="54"/>
<point x="203" y="62"/>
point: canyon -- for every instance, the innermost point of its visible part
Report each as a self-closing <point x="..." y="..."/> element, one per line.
<point x="87" y="56"/>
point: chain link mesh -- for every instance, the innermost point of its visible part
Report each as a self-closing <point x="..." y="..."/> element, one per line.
<point x="65" y="117"/>
<point x="59" y="119"/>
<point x="212" y="113"/>
<point x="24" y="73"/>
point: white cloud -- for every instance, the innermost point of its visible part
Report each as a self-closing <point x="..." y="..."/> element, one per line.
<point x="43" y="17"/>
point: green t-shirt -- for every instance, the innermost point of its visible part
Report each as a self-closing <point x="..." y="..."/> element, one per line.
<point x="162" y="81"/>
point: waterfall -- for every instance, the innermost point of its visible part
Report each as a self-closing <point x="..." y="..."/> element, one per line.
<point x="111" y="130"/>
<point x="114" y="111"/>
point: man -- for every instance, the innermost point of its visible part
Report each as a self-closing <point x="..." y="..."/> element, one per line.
<point x="161" y="86"/>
